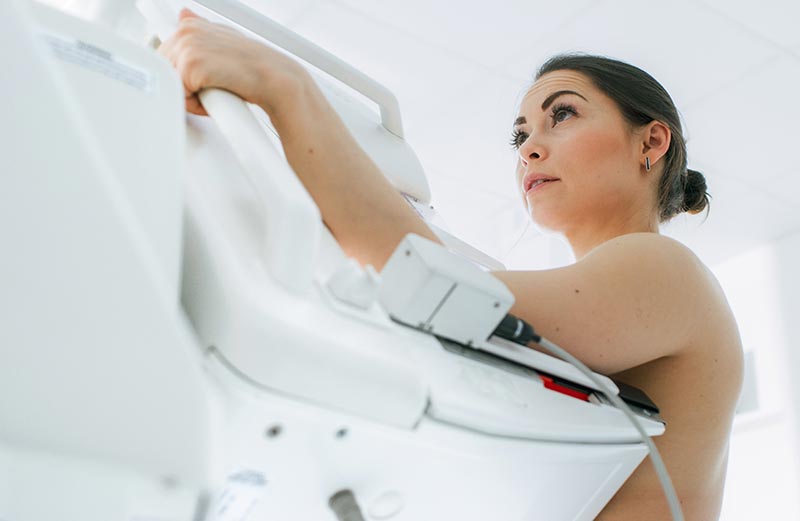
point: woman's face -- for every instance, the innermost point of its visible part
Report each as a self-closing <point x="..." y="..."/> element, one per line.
<point x="569" y="131"/>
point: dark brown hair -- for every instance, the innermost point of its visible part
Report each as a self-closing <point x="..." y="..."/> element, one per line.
<point x="641" y="99"/>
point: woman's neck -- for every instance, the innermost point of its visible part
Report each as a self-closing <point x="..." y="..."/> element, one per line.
<point x="587" y="237"/>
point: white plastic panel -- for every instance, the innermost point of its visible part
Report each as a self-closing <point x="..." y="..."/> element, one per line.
<point x="482" y="393"/>
<point x="42" y="486"/>
<point x="97" y="360"/>
<point x="310" y="345"/>
<point x="130" y="93"/>
<point x="433" y="471"/>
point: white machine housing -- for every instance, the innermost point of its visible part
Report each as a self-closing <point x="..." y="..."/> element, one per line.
<point x="104" y="411"/>
<point x="315" y="393"/>
<point x="425" y="286"/>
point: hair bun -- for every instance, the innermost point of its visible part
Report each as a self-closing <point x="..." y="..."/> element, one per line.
<point x="695" y="196"/>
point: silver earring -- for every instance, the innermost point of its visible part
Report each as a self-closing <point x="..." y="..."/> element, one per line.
<point x="647" y="163"/>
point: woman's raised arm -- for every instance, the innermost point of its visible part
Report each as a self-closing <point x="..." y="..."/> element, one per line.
<point x="359" y="205"/>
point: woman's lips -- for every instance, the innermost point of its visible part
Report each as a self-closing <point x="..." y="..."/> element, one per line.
<point x="538" y="186"/>
<point x="535" y="180"/>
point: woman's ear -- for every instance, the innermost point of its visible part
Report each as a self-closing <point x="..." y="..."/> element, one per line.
<point x="656" y="137"/>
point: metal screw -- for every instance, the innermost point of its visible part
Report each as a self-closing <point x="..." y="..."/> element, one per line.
<point x="342" y="432"/>
<point x="274" y="431"/>
<point x="408" y="253"/>
<point x="497" y="304"/>
<point x="169" y="482"/>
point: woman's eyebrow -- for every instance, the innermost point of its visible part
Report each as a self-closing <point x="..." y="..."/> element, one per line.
<point x="552" y="97"/>
<point x="547" y="102"/>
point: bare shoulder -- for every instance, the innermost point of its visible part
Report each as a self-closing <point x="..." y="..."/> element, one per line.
<point x="633" y="299"/>
<point x="658" y="256"/>
<point x="650" y="251"/>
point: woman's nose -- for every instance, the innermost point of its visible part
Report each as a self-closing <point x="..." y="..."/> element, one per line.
<point x="530" y="150"/>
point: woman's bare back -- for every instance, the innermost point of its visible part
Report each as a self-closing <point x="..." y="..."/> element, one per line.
<point x="697" y="392"/>
<point x="644" y="309"/>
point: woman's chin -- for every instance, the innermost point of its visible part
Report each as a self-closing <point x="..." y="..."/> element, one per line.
<point x="545" y="221"/>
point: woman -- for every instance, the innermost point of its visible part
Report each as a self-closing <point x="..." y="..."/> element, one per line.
<point x="602" y="161"/>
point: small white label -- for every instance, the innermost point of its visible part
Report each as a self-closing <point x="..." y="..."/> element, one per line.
<point x="98" y="60"/>
<point x="243" y="490"/>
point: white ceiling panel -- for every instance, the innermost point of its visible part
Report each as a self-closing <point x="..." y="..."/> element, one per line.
<point x="749" y="130"/>
<point x="499" y="232"/>
<point x="488" y="221"/>
<point x="741" y="218"/>
<point x="415" y="72"/>
<point x="785" y="186"/>
<point x="462" y="205"/>
<point x="775" y="20"/>
<point x="466" y="136"/>
<point x="688" y="48"/>
<point x="481" y="31"/>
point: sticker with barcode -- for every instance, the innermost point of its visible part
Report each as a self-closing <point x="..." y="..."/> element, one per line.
<point x="99" y="60"/>
<point x="243" y="490"/>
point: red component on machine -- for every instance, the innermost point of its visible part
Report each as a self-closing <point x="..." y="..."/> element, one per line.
<point x="551" y="384"/>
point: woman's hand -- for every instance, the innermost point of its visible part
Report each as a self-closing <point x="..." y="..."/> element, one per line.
<point x="211" y="55"/>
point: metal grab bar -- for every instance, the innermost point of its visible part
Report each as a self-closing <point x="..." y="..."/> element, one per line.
<point x="292" y="241"/>
<point x="292" y="42"/>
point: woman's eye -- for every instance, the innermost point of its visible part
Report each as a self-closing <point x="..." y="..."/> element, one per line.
<point x="517" y="139"/>
<point x="562" y="113"/>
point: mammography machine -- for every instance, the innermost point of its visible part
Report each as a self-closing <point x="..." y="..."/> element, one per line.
<point x="183" y="339"/>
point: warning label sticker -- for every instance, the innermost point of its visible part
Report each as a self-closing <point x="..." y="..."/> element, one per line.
<point x="99" y="60"/>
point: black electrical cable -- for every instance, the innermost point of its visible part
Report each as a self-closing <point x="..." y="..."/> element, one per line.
<point x="516" y="330"/>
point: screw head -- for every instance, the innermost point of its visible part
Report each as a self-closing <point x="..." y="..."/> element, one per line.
<point x="273" y="431"/>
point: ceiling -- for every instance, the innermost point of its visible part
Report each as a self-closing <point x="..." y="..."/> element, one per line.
<point x="458" y="70"/>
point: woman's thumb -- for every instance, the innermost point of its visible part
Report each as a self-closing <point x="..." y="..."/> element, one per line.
<point x="186" y="13"/>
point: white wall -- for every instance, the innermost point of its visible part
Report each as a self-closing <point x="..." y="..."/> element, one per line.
<point x="763" y="288"/>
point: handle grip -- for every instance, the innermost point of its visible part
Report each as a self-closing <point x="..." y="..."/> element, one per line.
<point x="294" y="225"/>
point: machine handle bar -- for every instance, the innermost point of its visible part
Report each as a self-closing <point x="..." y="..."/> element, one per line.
<point x="292" y="42"/>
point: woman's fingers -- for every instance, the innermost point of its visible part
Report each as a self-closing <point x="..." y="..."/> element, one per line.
<point x="187" y="13"/>
<point x="210" y="55"/>
<point x="194" y="106"/>
<point x="173" y="49"/>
